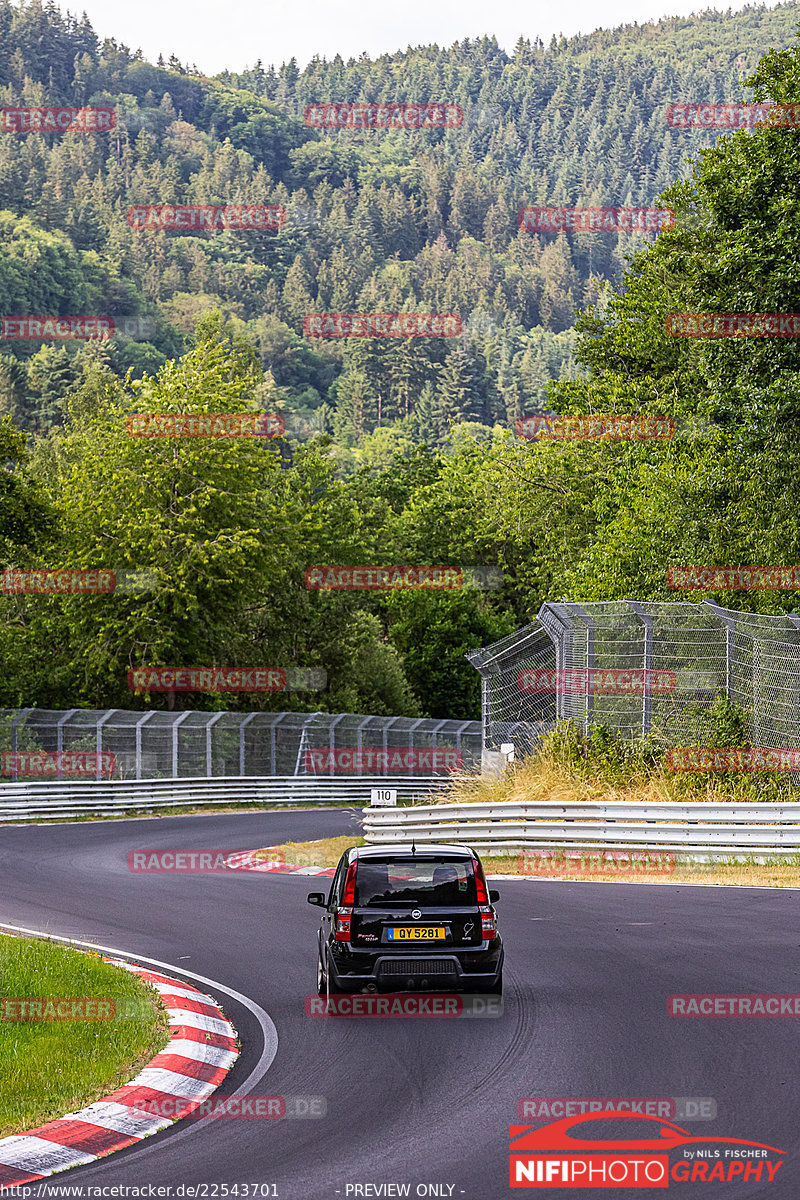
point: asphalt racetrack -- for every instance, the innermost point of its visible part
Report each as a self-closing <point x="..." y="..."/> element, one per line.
<point x="426" y="1102"/>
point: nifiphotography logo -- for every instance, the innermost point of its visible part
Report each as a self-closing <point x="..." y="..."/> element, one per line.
<point x="577" y="1152"/>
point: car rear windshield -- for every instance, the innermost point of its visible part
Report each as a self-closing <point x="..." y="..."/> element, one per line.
<point x="419" y="880"/>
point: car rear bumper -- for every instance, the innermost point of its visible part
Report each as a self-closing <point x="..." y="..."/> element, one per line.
<point x="443" y="972"/>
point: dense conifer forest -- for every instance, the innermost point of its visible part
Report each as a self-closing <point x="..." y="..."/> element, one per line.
<point x="397" y="450"/>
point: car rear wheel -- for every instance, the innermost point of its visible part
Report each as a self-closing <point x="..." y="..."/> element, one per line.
<point x="326" y="986"/>
<point x="496" y="989"/>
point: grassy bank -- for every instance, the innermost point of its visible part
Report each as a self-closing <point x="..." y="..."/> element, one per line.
<point x="51" y="1067"/>
<point x="734" y="874"/>
<point x="327" y="851"/>
<point x="571" y="767"/>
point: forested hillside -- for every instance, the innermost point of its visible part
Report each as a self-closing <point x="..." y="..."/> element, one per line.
<point x="398" y="450"/>
<point x="380" y="220"/>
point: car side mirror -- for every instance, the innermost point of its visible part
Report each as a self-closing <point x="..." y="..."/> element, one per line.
<point x="317" y="898"/>
<point x="494" y="895"/>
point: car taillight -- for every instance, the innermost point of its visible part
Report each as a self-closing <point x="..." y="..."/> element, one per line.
<point x="480" y="882"/>
<point x="488" y="921"/>
<point x="342" y="926"/>
<point x="349" y="893"/>
<point x="345" y="913"/>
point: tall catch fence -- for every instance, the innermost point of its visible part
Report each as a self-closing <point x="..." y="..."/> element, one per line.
<point x="120" y="744"/>
<point x="643" y="669"/>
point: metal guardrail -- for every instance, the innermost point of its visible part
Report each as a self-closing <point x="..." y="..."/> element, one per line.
<point x="56" y="801"/>
<point x="694" y="830"/>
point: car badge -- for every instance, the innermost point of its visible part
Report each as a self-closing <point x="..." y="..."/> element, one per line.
<point x="416" y="913"/>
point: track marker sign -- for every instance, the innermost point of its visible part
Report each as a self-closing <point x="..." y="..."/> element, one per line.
<point x="383" y="797"/>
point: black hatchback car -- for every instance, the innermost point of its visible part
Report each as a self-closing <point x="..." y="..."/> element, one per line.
<point x="407" y="918"/>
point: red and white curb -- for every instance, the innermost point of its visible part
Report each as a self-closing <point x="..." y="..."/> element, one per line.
<point x="201" y="1050"/>
<point x="247" y="861"/>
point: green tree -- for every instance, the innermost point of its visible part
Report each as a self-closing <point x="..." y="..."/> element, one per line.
<point x="298" y="298"/>
<point x="432" y="633"/>
<point x="201" y="517"/>
<point x="458" y="386"/>
<point x="13" y="387"/>
<point x="52" y="374"/>
<point x="429" y="421"/>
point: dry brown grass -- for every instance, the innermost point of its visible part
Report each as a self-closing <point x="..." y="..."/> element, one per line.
<point x="545" y="778"/>
<point x="733" y="874"/>
<point x="326" y="852"/>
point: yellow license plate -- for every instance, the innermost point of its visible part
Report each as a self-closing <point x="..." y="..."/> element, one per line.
<point x="416" y="933"/>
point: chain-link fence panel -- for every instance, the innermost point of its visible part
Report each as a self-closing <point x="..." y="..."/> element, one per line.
<point x="118" y="744"/>
<point x="644" y="670"/>
<point x="515" y="709"/>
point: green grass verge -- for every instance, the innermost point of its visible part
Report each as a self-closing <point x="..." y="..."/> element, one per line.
<point x="51" y="1067"/>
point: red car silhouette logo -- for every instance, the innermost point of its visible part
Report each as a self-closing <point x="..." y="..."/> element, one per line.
<point x="556" y="1137"/>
